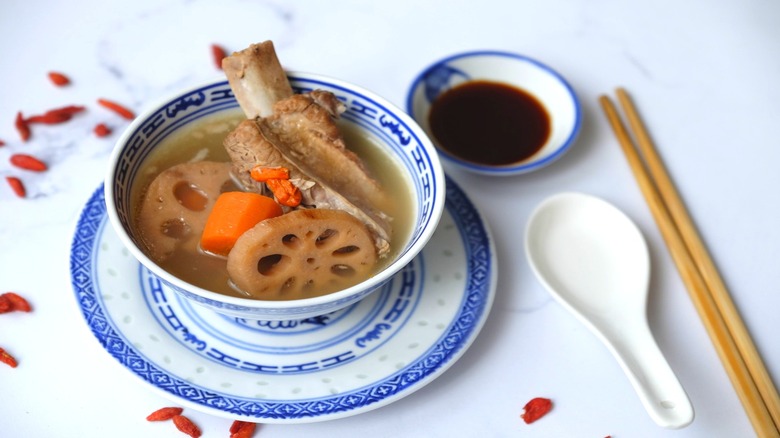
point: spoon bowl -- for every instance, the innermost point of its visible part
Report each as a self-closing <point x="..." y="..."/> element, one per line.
<point x="594" y="261"/>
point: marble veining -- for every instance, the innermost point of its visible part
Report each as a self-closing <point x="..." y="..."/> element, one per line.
<point x="702" y="73"/>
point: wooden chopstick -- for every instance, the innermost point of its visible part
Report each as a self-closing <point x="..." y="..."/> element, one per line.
<point x="758" y="405"/>
<point x="702" y="259"/>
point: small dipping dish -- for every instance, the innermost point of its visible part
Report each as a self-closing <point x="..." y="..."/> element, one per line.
<point x="495" y="113"/>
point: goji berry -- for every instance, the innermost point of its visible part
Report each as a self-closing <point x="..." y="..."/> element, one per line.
<point x="218" y="54"/>
<point x="536" y="409"/>
<point x="164" y="414"/>
<point x="28" y="162"/>
<point x="50" y="118"/>
<point x="5" y="304"/>
<point x="70" y="109"/>
<point x="101" y="130"/>
<point x="242" y="429"/>
<point x="286" y="192"/>
<point x="262" y="174"/>
<point x="17" y="302"/>
<point x="7" y="358"/>
<point x="186" y="425"/>
<point x="2" y="143"/>
<point x="59" y="79"/>
<point x="22" y="127"/>
<point x="117" y="108"/>
<point x="57" y="115"/>
<point x="235" y="426"/>
<point x="17" y="186"/>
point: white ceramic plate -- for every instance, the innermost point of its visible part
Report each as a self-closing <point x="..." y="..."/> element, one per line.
<point x="354" y="360"/>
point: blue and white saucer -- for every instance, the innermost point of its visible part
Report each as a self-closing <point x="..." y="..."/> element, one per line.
<point x="360" y="358"/>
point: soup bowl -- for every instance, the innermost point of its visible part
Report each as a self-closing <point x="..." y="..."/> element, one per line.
<point x="548" y="87"/>
<point x="385" y="125"/>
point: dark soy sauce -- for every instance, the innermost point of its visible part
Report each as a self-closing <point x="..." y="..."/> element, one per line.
<point x="489" y="123"/>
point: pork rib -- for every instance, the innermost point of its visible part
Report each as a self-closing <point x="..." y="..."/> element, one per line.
<point x="249" y="146"/>
<point x="300" y="133"/>
<point x="306" y="132"/>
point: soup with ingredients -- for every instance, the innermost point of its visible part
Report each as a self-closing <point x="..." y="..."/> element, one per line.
<point x="182" y="183"/>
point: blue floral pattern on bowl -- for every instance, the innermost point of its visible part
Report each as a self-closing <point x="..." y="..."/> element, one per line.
<point x="440" y="79"/>
<point x="385" y="124"/>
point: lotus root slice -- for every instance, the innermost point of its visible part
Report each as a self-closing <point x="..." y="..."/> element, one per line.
<point x="302" y="254"/>
<point x="177" y="204"/>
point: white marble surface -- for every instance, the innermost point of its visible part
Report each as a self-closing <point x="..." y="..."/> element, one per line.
<point x="702" y="72"/>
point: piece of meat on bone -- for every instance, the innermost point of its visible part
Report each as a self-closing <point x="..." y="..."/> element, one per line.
<point x="304" y="130"/>
<point x="249" y="146"/>
<point x="299" y="132"/>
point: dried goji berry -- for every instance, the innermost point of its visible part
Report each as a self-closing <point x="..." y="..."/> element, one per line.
<point x="242" y="429"/>
<point x="28" y="162"/>
<point x="70" y="109"/>
<point x="236" y="425"/>
<point x="286" y="192"/>
<point x="262" y="174"/>
<point x="186" y="425"/>
<point x="17" y="186"/>
<point x="2" y="143"/>
<point x="218" y="54"/>
<point x="164" y="414"/>
<point x="536" y="409"/>
<point x="117" y="108"/>
<point x="5" y="304"/>
<point x="17" y="302"/>
<point x="101" y="130"/>
<point x="57" y="115"/>
<point x="7" y="358"/>
<point x="49" y="118"/>
<point x="22" y="127"/>
<point x="59" y="79"/>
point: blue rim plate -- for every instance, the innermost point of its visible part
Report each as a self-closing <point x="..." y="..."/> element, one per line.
<point x="365" y="356"/>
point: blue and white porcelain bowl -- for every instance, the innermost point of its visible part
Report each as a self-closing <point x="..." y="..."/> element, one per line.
<point x="542" y="82"/>
<point x="387" y="125"/>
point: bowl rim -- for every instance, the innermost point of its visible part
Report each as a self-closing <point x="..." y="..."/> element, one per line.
<point x="249" y="304"/>
<point x="510" y="169"/>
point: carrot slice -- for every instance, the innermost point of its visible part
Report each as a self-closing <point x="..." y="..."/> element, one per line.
<point x="234" y="213"/>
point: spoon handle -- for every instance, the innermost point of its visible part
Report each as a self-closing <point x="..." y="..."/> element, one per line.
<point x="648" y="371"/>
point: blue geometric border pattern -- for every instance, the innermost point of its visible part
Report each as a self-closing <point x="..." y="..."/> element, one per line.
<point x="180" y="320"/>
<point x="473" y="310"/>
<point x="181" y="110"/>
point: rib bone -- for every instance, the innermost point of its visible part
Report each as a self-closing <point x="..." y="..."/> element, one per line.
<point x="299" y="132"/>
<point x="257" y="79"/>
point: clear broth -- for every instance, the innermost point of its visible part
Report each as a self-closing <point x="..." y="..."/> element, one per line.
<point x="204" y="142"/>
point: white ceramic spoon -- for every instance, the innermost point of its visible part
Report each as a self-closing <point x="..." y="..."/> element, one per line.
<point x="594" y="261"/>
